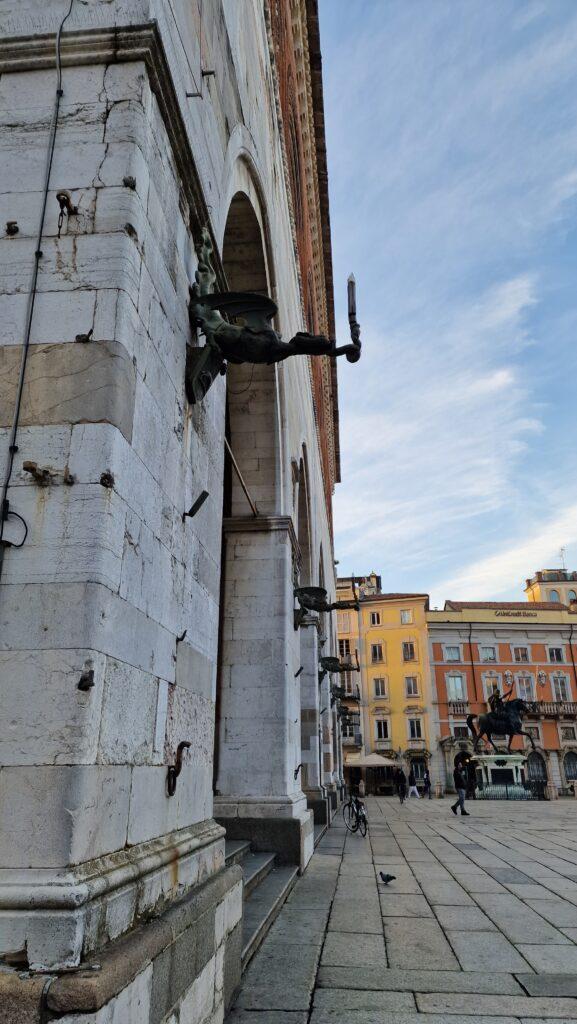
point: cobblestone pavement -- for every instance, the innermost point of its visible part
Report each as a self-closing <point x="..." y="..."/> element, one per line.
<point x="480" y="925"/>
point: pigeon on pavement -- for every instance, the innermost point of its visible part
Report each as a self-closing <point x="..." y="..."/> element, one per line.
<point x="386" y="878"/>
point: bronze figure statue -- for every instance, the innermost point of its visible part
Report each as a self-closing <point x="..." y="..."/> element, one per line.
<point x="507" y="720"/>
<point x="251" y="339"/>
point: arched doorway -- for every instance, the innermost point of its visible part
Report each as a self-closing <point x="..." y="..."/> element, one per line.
<point x="536" y="767"/>
<point x="570" y="766"/>
<point x="258" y="698"/>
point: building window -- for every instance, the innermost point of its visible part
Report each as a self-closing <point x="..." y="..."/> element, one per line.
<point x="561" y="688"/>
<point x="380" y="685"/>
<point x="375" y="618"/>
<point x="568" y="732"/>
<point x="415" y="729"/>
<point x="521" y="654"/>
<point x="381" y="729"/>
<point x="461" y="732"/>
<point x="525" y="688"/>
<point x="411" y="686"/>
<point x="533" y="731"/>
<point x="408" y="650"/>
<point x="455" y="687"/>
<point x="376" y="652"/>
<point x="556" y="654"/>
<point x="348" y="731"/>
<point x="488" y="654"/>
<point x="553" y="595"/>
<point x="418" y="765"/>
<point x="344" y="648"/>
<point x="490" y="684"/>
<point x="343" y="622"/>
<point x="406" y="616"/>
<point x="571" y="596"/>
<point x="452" y="653"/>
<point x="570" y="766"/>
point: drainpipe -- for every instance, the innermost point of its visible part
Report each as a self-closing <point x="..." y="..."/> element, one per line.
<point x="571" y="652"/>
<point x="471" y="659"/>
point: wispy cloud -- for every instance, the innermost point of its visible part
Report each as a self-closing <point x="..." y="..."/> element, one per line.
<point x="453" y="161"/>
<point x="508" y="568"/>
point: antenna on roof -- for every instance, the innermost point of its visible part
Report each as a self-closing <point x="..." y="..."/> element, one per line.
<point x="562" y="556"/>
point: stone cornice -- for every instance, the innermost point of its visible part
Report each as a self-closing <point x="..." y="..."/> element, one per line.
<point x="263" y="524"/>
<point x="120" y="44"/>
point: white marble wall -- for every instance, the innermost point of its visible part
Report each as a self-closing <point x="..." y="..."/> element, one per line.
<point x="110" y="575"/>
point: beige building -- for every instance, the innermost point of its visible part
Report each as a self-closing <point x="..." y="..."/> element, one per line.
<point x="389" y="636"/>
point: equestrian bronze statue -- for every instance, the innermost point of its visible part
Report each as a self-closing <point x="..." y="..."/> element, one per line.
<point x="244" y="333"/>
<point x="504" y="719"/>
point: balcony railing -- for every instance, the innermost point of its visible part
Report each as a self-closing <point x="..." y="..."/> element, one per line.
<point x="353" y="741"/>
<point x="554" y="707"/>
<point x="458" y="707"/>
<point x="383" y="745"/>
<point x="416" y="744"/>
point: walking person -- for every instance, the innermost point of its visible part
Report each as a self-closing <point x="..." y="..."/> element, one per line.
<point x="461" y="787"/>
<point x="362" y="789"/>
<point x="413" y="791"/>
<point x="401" y="784"/>
<point x="427" y="783"/>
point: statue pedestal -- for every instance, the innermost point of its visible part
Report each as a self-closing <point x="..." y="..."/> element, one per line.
<point x="501" y="769"/>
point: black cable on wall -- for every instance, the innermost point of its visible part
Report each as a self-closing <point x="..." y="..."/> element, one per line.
<point x="5" y="510"/>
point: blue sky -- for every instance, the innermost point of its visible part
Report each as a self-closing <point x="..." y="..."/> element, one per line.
<point x="452" y="144"/>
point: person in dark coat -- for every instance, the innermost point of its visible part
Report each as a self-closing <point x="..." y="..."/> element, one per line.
<point x="461" y="787"/>
<point x="427" y="783"/>
<point x="401" y="784"/>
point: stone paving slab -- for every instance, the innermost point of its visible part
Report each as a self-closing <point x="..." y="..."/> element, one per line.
<point x="322" y="1016"/>
<point x="394" y="904"/>
<point x="551" y="959"/>
<point x="455" y="1003"/>
<point x="486" y="951"/>
<point x="418" y="941"/>
<point x="355" y="999"/>
<point x="266" y="1017"/>
<point x="395" y="979"/>
<point x="471" y="919"/>
<point x="354" y="950"/>
<point x="549" y="984"/>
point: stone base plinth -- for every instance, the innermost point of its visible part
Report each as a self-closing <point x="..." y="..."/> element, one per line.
<point x="187" y="961"/>
<point x="53" y="919"/>
<point x="291" y="837"/>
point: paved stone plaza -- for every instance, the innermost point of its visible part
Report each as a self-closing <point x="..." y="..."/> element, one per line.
<point x="480" y="924"/>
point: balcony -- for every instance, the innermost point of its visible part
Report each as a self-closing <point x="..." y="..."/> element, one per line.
<point x="353" y="741"/>
<point x="554" y="708"/>
<point x="416" y="744"/>
<point x="384" y="746"/>
<point x="458" y="707"/>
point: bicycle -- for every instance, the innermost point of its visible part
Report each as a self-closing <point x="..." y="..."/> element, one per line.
<point x="355" y="815"/>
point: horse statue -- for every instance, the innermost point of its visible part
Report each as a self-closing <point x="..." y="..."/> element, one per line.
<point x="507" y="720"/>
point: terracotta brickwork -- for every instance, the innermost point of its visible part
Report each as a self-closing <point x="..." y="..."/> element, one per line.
<point x="295" y="34"/>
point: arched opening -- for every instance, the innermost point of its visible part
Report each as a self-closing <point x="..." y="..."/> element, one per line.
<point x="536" y="768"/>
<point x="572" y="596"/>
<point x="570" y="766"/>
<point x="553" y="595"/>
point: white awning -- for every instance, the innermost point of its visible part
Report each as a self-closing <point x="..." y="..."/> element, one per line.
<point x="369" y="761"/>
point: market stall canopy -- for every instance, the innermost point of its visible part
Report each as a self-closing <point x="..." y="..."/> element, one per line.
<point x="369" y="761"/>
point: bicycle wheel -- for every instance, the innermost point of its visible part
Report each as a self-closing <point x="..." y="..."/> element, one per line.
<point x="362" y="824"/>
<point x="349" y="816"/>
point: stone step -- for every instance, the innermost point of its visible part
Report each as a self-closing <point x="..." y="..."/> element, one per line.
<point x="235" y="850"/>
<point x="263" y="906"/>
<point x="255" y="868"/>
<point x="319" y="831"/>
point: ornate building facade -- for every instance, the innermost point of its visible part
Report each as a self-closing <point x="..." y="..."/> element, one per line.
<point x="156" y="695"/>
<point x="388" y="636"/>
<point x="526" y="647"/>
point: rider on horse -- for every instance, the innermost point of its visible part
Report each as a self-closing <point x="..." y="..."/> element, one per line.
<point x="497" y="702"/>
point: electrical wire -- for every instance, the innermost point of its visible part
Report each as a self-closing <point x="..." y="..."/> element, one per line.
<point x="5" y="511"/>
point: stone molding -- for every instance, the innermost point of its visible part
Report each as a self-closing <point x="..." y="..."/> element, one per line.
<point x="264" y="524"/>
<point x="126" y="958"/>
<point x="42" y="889"/>
<point x="115" y="45"/>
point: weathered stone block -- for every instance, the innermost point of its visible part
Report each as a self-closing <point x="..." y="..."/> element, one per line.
<point x="70" y="384"/>
<point x="53" y="817"/>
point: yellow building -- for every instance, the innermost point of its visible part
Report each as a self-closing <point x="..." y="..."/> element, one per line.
<point x="389" y="632"/>
<point x="552" y="585"/>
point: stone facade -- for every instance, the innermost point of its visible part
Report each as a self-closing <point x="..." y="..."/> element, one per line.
<point x="127" y="629"/>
